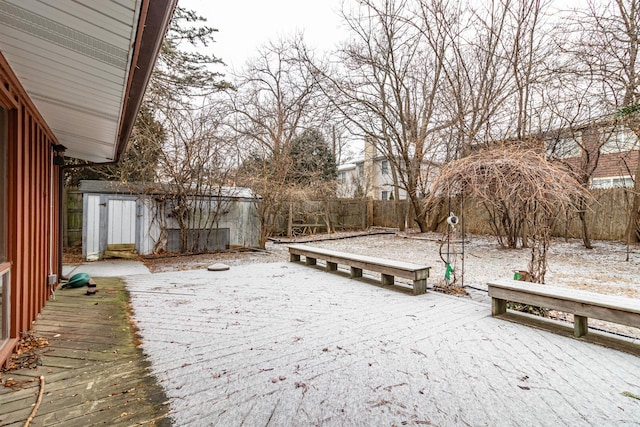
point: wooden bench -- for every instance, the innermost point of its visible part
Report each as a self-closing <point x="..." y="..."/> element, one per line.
<point x="389" y="269"/>
<point x="581" y="304"/>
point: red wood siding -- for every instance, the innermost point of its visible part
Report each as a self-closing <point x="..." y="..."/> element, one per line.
<point x="32" y="234"/>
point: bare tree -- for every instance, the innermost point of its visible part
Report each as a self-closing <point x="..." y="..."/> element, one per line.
<point x="606" y="46"/>
<point x="388" y="88"/>
<point x="276" y="99"/>
<point x="492" y="63"/>
<point x="193" y="168"/>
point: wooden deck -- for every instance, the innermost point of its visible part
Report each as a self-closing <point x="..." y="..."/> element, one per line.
<point x="94" y="373"/>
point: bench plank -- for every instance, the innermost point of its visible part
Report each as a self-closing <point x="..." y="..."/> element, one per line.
<point x="388" y="269"/>
<point x="581" y="304"/>
<point x="577" y="295"/>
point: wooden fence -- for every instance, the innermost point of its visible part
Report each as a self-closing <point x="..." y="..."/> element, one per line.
<point x="72" y="218"/>
<point x="308" y="217"/>
<point x="606" y="216"/>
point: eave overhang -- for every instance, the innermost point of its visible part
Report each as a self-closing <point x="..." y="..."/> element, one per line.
<point x="85" y="65"/>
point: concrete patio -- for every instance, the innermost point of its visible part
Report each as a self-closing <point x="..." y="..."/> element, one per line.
<point x="284" y="344"/>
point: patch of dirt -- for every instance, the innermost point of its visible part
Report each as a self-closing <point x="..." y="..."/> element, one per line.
<point x="72" y="255"/>
<point x="276" y="251"/>
<point x="451" y="290"/>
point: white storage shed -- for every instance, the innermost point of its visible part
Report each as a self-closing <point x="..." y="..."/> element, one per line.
<point x="143" y="216"/>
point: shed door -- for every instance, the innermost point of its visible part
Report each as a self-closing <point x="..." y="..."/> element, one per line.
<point x="92" y="226"/>
<point x="122" y="222"/>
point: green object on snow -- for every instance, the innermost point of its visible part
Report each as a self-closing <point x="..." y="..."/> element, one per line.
<point x="516" y="275"/>
<point x="77" y="281"/>
<point x="447" y="273"/>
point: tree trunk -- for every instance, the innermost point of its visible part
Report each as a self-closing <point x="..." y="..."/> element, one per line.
<point x="582" y="214"/>
<point x="400" y="213"/>
<point x="421" y="214"/>
<point x="436" y="215"/>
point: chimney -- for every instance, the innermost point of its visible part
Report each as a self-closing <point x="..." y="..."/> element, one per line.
<point x="370" y="173"/>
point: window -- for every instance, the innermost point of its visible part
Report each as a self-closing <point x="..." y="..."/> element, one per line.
<point x="612" y="182"/>
<point x="384" y="167"/>
<point x="385" y="195"/>
<point x="342" y="176"/>
<point x="620" y="141"/>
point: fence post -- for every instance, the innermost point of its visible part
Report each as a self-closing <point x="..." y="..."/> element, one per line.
<point x="290" y="220"/>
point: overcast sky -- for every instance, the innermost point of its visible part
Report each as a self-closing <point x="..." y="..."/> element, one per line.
<point x="244" y="25"/>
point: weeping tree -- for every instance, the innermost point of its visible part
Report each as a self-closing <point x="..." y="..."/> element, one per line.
<point x="520" y="189"/>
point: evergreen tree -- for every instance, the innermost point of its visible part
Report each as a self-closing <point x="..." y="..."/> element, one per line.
<point x="182" y="69"/>
<point x="312" y="159"/>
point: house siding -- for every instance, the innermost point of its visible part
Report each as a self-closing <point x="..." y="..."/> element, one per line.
<point x="32" y="185"/>
<point x="617" y="164"/>
<point x="609" y="164"/>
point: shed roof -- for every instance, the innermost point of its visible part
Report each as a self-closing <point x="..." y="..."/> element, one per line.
<point x="145" y="188"/>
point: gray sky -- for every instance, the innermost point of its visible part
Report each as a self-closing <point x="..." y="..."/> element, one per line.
<point x="244" y="25"/>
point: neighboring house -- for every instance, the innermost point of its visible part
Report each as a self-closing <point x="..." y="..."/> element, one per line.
<point x="372" y="177"/>
<point x="140" y="216"/>
<point x="374" y="180"/>
<point x="72" y="76"/>
<point x="617" y="147"/>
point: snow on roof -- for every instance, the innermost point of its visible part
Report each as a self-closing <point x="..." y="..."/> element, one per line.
<point x="346" y="166"/>
<point x="140" y="188"/>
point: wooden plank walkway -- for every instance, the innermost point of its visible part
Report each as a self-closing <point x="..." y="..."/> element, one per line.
<point x="286" y="345"/>
<point x="94" y="372"/>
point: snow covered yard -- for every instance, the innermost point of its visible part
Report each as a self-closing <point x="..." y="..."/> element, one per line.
<point x="602" y="269"/>
<point x="284" y="344"/>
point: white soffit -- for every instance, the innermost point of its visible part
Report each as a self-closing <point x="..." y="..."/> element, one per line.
<point x="73" y="59"/>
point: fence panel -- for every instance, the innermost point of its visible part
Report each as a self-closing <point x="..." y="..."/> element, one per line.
<point x="72" y="218"/>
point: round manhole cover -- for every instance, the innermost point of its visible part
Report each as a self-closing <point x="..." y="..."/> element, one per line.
<point x="218" y="267"/>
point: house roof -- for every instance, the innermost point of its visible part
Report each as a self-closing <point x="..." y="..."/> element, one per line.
<point x="352" y="164"/>
<point x="85" y="65"/>
<point x="346" y="166"/>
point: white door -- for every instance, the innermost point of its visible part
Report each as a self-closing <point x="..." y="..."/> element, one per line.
<point x="92" y="227"/>
<point x="121" y="228"/>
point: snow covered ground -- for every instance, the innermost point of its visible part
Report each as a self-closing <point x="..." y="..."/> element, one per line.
<point x="602" y="269"/>
<point x="279" y="343"/>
